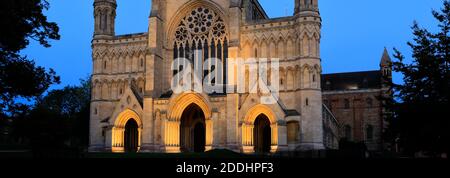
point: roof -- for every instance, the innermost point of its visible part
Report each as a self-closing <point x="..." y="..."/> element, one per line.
<point x="351" y="81"/>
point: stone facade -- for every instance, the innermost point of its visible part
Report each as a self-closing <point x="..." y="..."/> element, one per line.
<point x="356" y="99"/>
<point x="133" y="105"/>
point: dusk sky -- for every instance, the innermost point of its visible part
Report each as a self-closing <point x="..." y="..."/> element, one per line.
<point x="354" y="32"/>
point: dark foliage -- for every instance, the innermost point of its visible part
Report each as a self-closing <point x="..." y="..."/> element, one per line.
<point x="59" y="121"/>
<point x="421" y="109"/>
<point x="20" y="22"/>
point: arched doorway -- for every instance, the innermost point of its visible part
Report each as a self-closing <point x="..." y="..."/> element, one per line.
<point x="131" y="137"/>
<point x="126" y="133"/>
<point x="262" y="134"/>
<point x="193" y="130"/>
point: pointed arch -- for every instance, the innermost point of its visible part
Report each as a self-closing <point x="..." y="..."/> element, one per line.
<point x="282" y="79"/>
<point x="272" y="48"/>
<point x="281" y="49"/>
<point x="118" y="130"/>
<point x="176" y="110"/>
<point x="264" y="52"/>
<point x="248" y="125"/>
<point x="306" y="76"/>
<point x="305" y="45"/>
<point x="290" y="48"/>
<point x="290" y="79"/>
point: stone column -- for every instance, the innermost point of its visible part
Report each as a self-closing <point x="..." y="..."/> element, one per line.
<point x="216" y="130"/>
<point x="147" y="144"/>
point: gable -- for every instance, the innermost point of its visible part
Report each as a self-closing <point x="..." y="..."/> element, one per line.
<point x="129" y="100"/>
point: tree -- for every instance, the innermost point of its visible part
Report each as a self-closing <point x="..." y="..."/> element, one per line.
<point x="20" y="78"/>
<point x="59" y="120"/>
<point x="421" y="107"/>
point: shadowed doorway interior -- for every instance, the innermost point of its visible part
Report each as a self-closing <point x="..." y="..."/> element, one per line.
<point x="262" y="134"/>
<point x="192" y="130"/>
<point x="131" y="136"/>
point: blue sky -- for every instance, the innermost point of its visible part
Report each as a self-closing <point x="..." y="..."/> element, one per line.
<point x="354" y="32"/>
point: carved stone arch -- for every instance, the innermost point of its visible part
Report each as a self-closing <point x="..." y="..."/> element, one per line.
<point x="282" y="79"/>
<point x="95" y="89"/>
<point x="108" y="52"/>
<point x="316" y="76"/>
<point x="263" y="46"/>
<point x="132" y="51"/>
<point x="255" y="52"/>
<point x="113" y="52"/>
<point x="105" y="89"/>
<point x="246" y="49"/>
<point x="281" y="46"/>
<point x="128" y="52"/>
<point x="97" y="11"/>
<point x="102" y="63"/>
<point x="97" y="53"/>
<point x="290" y="47"/>
<point x="134" y="59"/>
<point x="298" y="77"/>
<point x="141" y="60"/>
<point x="305" y="44"/>
<point x="248" y="130"/>
<point x="141" y="85"/>
<point x="298" y="44"/>
<point x="108" y="60"/>
<point x="306" y="76"/>
<point x="179" y="104"/>
<point x="316" y="44"/>
<point x="273" y="53"/>
<point x="113" y="88"/>
<point x="118" y="130"/>
<point x="290" y="78"/>
<point x="115" y="64"/>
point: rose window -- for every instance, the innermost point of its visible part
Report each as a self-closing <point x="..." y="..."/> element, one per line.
<point x="202" y="32"/>
<point x="200" y="24"/>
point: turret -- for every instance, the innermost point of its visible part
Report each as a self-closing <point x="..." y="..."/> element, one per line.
<point x="105" y="16"/>
<point x="306" y="5"/>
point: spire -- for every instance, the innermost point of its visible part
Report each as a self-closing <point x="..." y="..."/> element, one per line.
<point x="385" y="59"/>
<point x="386" y="64"/>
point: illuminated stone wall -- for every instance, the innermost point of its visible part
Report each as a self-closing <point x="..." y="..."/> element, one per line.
<point x="131" y="74"/>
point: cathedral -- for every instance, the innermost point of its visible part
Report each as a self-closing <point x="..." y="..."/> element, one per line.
<point x="134" y="107"/>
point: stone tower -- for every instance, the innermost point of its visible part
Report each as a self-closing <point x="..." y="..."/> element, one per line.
<point x="105" y="16"/>
<point x="309" y="28"/>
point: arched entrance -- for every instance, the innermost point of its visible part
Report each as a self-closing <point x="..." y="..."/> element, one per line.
<point x="192" y="130"/>
<point x="131" y="137"/>
<point x="126" y="133"/>
<point x="260" y="130"/>
<point x="262" y="134"/>
<point x="185" y="113"/>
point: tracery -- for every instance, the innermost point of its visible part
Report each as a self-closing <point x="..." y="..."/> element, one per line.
<point x="203" y="30"/>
